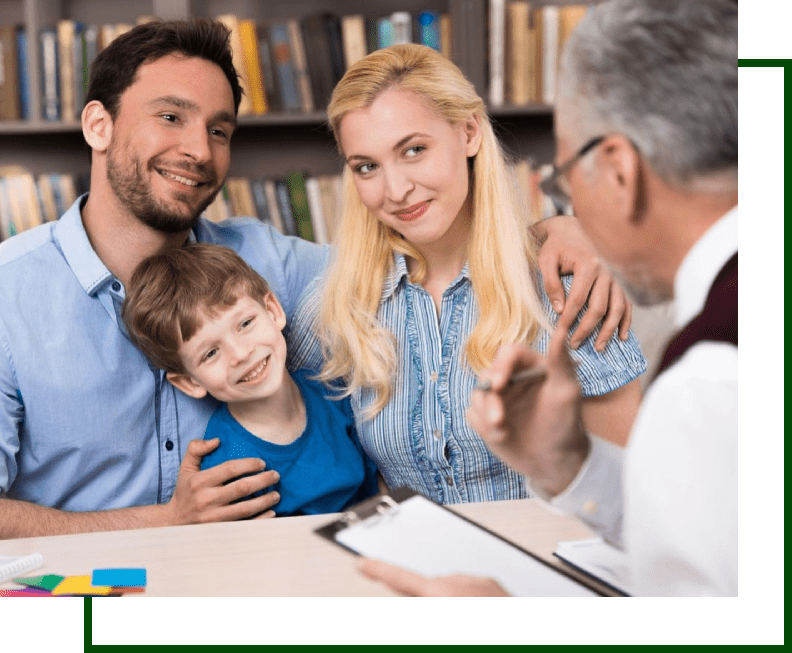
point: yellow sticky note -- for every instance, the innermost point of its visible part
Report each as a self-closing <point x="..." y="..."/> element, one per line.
<point x="80" y="585"/>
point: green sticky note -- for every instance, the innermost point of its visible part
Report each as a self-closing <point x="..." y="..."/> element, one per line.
<point x="48" y="582"/>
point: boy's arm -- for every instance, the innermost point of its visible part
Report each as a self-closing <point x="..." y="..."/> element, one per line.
<point x="199" y="497"/>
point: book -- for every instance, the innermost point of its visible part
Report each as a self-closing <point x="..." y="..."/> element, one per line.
<point x="79" y="63"/>
<point x="66" y="31"/>
<point x="497" y="52"/>
<point x="284" y="67"/>
<point x="49" y="207"/>
<point x="232" y="23"/>
<point x="550" y="52"/>
<point x="517" y="81"/>
<point x="50" y="74"/>
<point x="268" y="77"/>
<point x="446" y="35"/>
<point x="7" y="226"/>
<point x="314" y="195"/>
<point x="384" y="32"/>
<point x="23" y="68"/>
<point x="324" y="56"/>
<point x="91" y="37"/>
<point x="330" y="191"/>
<point x="401" y="24"/>
<point x="15" y="566"/>
<point x="469" y="39"/>
<point x="260" y="199"/>
<point x="353" y="31"/>
<point x="249" y="39"/>
<point x="301" y="211"/>
<point x="284" y="208"/>
<point x="301" y="72"/>
<point x="10" y="108"/>
<point x="535" y="30"/>
<point x="429" y="29"/>
<point x="271" y="194"/>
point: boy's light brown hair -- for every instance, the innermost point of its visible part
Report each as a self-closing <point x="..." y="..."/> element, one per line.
<point x="171" y="292"/>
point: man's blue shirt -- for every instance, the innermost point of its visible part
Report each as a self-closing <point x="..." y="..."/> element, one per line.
<point x="85" y="422"/>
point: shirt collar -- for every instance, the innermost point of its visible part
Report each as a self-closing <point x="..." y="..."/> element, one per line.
<point x="398" y="271"/>
<point x="81" y="257"/>
<point x="701" y="265"/>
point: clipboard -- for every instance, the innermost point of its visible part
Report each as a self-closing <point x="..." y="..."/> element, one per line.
<point x="407" y="529"/>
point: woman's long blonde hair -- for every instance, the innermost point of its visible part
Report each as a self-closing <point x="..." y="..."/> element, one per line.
<point x="501" y="253"/>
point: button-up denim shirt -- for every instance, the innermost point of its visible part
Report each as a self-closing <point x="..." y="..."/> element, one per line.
<point x="421" y="438"/>
<point x="85" y="422"/>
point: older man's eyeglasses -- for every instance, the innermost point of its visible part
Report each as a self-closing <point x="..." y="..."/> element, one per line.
<point x="556" y="185"/>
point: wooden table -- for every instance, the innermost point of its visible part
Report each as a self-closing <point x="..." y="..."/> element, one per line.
<point x="277" y="557"/>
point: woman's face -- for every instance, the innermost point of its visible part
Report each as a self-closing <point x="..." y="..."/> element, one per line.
<point x="410" y="167"/>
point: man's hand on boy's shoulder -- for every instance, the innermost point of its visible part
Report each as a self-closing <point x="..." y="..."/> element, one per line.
<point x="207" y="496"/>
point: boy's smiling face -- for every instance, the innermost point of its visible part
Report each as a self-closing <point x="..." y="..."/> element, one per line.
<point x="238" y="354"/>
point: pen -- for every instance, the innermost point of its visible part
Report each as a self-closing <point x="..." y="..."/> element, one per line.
<point x="530" y="374"/>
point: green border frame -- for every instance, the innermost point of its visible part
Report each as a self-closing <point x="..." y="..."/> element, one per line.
<point x="755" y="617"/>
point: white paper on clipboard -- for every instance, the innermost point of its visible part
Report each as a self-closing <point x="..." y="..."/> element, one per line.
<point x="420" y="535"/>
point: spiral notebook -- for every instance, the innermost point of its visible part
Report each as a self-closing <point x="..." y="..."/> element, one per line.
<point x="15" y="566"/>
<point x="409" y="530"/>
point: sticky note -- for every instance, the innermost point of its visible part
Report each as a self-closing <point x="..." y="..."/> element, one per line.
<point x="119" y="577"/>
<point x="48" y="582"/>
<point x="80" y="586"/>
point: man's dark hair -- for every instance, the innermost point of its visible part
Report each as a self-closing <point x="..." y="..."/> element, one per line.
<point x="116" y="66"/>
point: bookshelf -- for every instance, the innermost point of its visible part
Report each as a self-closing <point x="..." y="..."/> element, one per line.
<point x="271" y="144"/>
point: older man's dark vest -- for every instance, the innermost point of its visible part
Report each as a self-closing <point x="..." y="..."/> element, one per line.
<point x="717" y="321"/>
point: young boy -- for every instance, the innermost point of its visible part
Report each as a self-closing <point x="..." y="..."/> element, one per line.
<point x="212" y="323"/>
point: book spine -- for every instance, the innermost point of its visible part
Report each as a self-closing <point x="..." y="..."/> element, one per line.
<point x="79" y="62"/>
<point x="497" y="30"/>
<point x="260" y="199"/>
<point x="284" y="207"/>
<point x="550" y="52"/>
<point x="299" y="204"/>
<point x="268" y="75"/>
<point x="429" y="29"/>
<point x="249" y="39"/>
<point x="271" y="192"/>
<point x="401" y="24"/>
<point x="384" y="32"/>
<point x="518" y="54"/>
<point x="318" y="222"/>
<point x="9" y="74"/>
<point x="353" y="30"/>
<point x="300" y="65"/>
<point x="284" y="67"/>
<point x="232" y="23"/>
<point x="23" y="63"/>
<point x="50" y="75"/>
<point x="66" y="29"/>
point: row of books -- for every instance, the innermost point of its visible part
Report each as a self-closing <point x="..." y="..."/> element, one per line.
<point x="296" y="204"/>
<point x="27" y="201"/>
<point x="66" y="52"/>
<point x="287" y="65"/>
<point x="292" y="65"/>
<point x="525" y="41"/>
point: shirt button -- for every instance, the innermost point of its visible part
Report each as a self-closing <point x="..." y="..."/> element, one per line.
<point x="116" y="286"/>
<point x="590" y="507"/>
<point x="169" y="445"/>
<point x="434" y="376"/>
<point x="449" y="480"/>
<point x="437" y="433"/>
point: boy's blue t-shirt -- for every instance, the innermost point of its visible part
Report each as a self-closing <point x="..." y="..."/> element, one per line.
<point x="323" y="470"/>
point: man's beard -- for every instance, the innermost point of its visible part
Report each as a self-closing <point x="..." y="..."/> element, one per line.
<point x="642" y="289"/>
<point x="130" y="186"/>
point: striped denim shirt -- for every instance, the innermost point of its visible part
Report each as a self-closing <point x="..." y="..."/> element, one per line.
<point x="421" y="438"/>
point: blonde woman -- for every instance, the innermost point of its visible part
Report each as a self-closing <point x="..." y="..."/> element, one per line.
<point x="435" y="269"/>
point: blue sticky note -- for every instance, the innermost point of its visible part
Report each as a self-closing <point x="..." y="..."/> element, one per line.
<point x="119" y="577"/>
